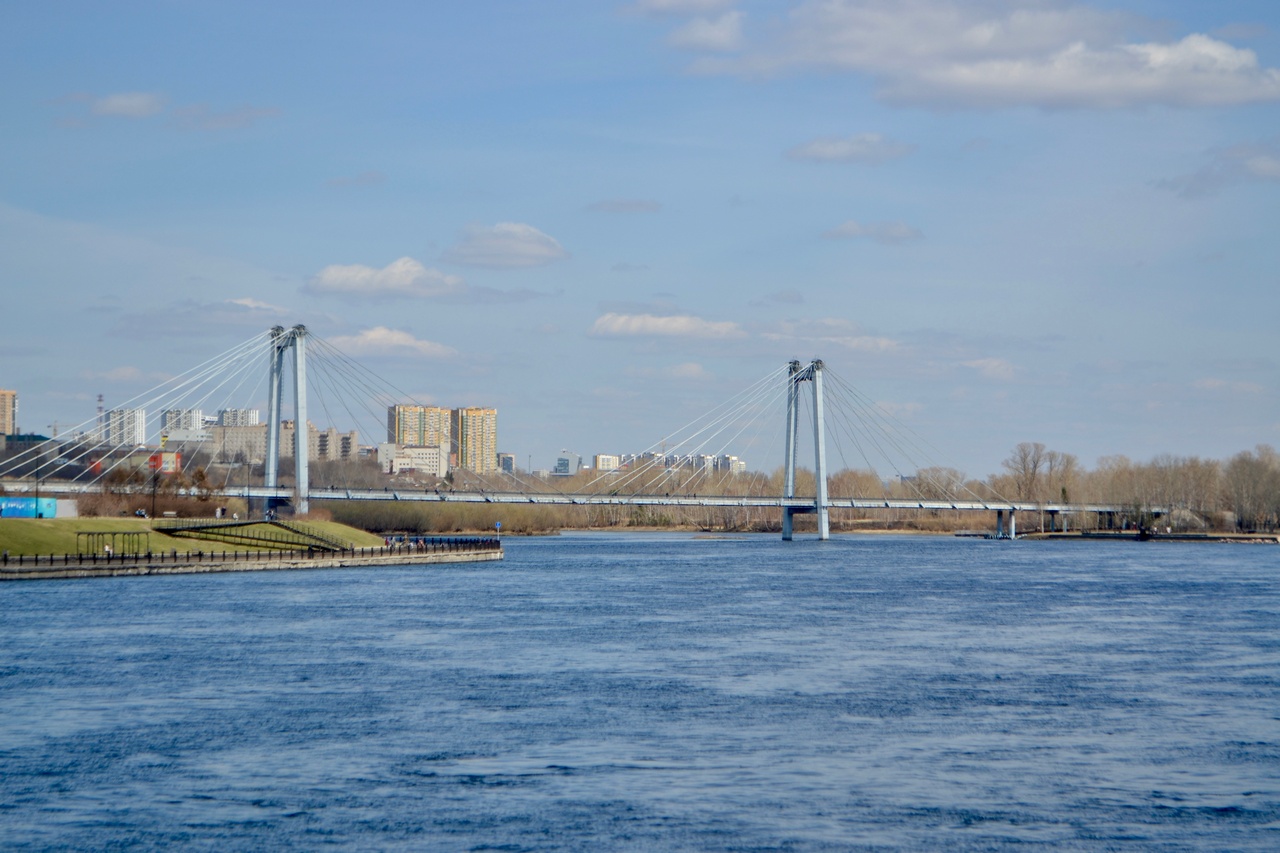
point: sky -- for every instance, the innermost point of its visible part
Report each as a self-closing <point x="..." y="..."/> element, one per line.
<point x="1001" y="221"/>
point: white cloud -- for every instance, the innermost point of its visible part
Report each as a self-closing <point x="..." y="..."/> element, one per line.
<point x="715" y="34"/>
<point x="1007" y="53"/>
<point x="505" y="245"/>
<point x="836" y="332"/>
<point x="885" y="233"/>
<point x="1228" y="386"/>
<point x="187" y="117"/>
<point x="383" y="341"/>
<point x="676" y="326"/>
<point x="257" y="305"/>
<point x="405" y="277"/>
<point x="991" y="368"/>
<point x="128" y="105"/>
<point x="1263" y="166"/>
<point x="862" y="148"/>
<point x="1235" y="165"/>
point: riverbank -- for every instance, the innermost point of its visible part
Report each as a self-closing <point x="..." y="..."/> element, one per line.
<point x="1149" y="536"/>
<point x="426" y="552"/>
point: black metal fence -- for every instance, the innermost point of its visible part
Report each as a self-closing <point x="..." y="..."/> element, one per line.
<point x="420" y="545"/>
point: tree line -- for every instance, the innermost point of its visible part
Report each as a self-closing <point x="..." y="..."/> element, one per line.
<point x="1238" y="494"/>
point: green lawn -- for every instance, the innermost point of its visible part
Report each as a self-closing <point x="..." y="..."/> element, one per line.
<point x="58" y="535"/>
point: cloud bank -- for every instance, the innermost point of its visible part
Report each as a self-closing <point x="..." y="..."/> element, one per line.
<point x="504" y="246"/>
<point x="862" y="148"/>
<point x="1004" y="53"/>
<point x="383" y="341"/>
<point x="402" y="278"/>
<point x="675" y="326"/>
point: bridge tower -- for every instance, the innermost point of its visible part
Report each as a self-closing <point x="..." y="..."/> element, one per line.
<point x="295" y="339"/>
<point x="795" y="375"/>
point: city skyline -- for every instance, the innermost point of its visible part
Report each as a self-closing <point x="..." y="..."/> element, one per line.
<point x="1002" y="222"/>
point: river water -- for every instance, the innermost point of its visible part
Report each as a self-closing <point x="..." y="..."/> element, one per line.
<point x="605" y="691"/>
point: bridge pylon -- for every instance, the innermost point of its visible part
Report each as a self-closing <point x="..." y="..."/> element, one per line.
<point x="281" y="341"/>
<point x="795" y="375"/>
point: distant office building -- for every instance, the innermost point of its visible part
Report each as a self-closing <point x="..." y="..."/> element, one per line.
<point x="418" y="426"/>
<point x="239" y="417"/>
<point x="567" y="465"/>
<point x="8" y="412"/>
<point x="475" y="438"/>
<point x="181" y="419"/>
<point x="398" y="458"/>
<point x="507" y="463"/>
<point x="608" y="462"/>
<point x="126" y="427"/>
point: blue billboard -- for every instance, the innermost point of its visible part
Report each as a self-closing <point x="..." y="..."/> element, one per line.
<point x="12" y="507"/>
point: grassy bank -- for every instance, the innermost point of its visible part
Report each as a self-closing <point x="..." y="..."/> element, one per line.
<point x="60" y="535"/>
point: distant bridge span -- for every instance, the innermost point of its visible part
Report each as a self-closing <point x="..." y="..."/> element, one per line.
<point x="798" y="505"/>
<point x="291" y="346"/>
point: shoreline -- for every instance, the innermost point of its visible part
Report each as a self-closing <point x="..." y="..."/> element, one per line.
<point x="69" y="566"/>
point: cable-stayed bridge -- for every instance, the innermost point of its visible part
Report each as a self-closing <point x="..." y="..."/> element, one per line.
<point x="683" y="469"/>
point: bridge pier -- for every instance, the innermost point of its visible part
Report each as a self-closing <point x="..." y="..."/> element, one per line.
<point x="281" y="340"/>
<point x="1001" y="532"/>
<point x="796" y="375"/>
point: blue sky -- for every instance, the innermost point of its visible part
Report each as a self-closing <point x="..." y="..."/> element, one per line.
<point x="1004" y="221"/>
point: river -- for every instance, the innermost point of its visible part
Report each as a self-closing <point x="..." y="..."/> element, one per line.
<point x="657" y="691"/>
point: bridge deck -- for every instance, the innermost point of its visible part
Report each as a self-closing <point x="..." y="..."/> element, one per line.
<point x="590" y="499"/>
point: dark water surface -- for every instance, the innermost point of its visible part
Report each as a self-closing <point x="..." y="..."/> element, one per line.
<point x="657" y="692"/>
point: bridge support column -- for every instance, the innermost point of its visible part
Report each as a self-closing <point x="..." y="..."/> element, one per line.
<point x="275" y="377"/>
<point x="1013" y="524"/>
<point x="820" y="455"/>
<point x="789" y="459"/>
<point x="796" y="375"/>
<point x="281" y="341"/>
<point x="301" y="450"/>
<point x="999" y="524"/>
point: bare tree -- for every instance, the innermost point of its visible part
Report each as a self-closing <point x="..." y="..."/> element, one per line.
<point x="1025" y="466"/>
<point x="1251" y="482"/>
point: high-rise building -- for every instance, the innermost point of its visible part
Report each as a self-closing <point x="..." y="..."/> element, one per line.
<point x="418" y="426"/>
<point x="239" y="417"/>
<point x="181" y="419"/>
<point x="126" y="427"/>
<point x="568" y="464"/>
<point x="507" y="463"/>
<point x="8" y="412"/>
<point x="608" y="462"/>
<point x="329" y="444"/>
<point x="475" y="438"/>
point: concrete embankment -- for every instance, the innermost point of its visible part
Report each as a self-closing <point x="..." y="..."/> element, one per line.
<point x="47" y="567"/>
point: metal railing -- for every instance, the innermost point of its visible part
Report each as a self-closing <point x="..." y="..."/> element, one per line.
<point x="407" y="549"/>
